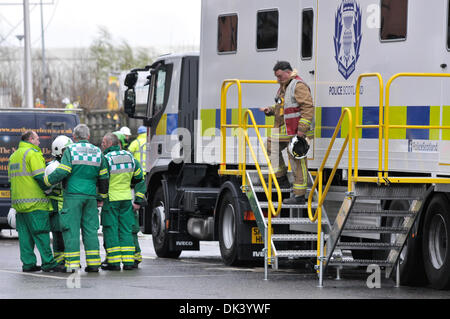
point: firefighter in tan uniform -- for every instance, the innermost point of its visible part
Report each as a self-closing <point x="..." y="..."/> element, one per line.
<point x="294" y="112"/>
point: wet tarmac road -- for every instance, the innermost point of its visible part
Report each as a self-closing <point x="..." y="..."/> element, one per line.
<point x="195" y="275"/>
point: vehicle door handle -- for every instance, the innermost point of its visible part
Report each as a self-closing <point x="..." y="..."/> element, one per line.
<point x="159" y="149"/>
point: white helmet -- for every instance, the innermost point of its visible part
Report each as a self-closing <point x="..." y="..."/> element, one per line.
<point x="125" y="131"/>
<point x="12" y="218"/>
<point x="66" y="100"/>
<point x="298" y="147"/>
<point x="59" y="144"/>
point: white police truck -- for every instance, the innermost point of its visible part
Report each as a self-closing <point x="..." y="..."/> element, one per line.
<point x="382" y="64"/>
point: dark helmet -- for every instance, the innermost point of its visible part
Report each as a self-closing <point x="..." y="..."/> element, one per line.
<point x="298" y="147"/>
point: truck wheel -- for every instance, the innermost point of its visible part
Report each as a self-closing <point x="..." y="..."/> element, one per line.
<point x="436" y="248"/>
<point x="159" y="230"/>
<point x="228" y="226"/>
<point x="411" y="267"/>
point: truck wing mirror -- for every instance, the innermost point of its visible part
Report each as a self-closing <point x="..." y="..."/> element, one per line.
<point x="131" y="80"/>
<point x="130" y="102"/>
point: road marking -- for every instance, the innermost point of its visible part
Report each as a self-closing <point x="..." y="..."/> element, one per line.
<point x="32" y="275"/>
<point x="185" y="276"/>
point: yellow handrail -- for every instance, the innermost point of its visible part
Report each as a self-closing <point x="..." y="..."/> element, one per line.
<point x="272" y="177"/>
<point x="388" y="126"/>
<point x="379" y="126"/>
<point x="244" y="140"/>
<point x="318" y="181"/>
<point x="223" y="119"/>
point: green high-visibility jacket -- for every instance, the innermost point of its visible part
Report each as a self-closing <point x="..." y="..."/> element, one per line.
<point x="125" y="172"/>
<point x="85" y="168"/>
<point x="26" y="170"/>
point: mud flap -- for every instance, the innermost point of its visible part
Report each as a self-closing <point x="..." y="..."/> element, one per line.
<point x="179" y="241"/>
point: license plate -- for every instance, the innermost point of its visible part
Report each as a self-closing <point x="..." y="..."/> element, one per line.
<point x="256" y="236"/>
<point x="5" y="194"/>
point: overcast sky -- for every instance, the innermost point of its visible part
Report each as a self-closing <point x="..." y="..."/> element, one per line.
<point x="74" y="23"/>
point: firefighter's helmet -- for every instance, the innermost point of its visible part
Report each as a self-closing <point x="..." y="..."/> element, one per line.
<point x="59" y="144"/>
<point x="298" y="147"/>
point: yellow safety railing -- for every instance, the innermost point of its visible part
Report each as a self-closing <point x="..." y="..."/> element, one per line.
<point x="244" y="141"/>
<point x="318" y="182"/>
<point x="223" y="122"/>
<point x="272" y="177"/>
<point x="380" y="128"/>
<point x="388" y="127"/>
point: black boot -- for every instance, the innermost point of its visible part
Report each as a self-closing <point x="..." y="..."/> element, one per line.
<point x="57" y="268"/>
<point x="32" y="269"/>
<point x="297" y="200"/>
<point x="107" y="266"/>
<point x="91" y="269"/>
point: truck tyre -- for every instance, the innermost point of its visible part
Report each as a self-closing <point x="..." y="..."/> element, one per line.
<point x="411" y="265"/>
<point x="435" y="245"/>
<point x="228" y="229"/>
<point x="159" y="230"/>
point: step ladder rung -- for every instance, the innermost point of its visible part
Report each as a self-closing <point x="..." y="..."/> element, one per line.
<point x="372" y="229"/>
<point x="260" y="189"/>
<point x="368" y="246"/>
<point x="305" y="206"/>
<point x="292" y="221"/>
<point x="294" y="237"/>
<point x="387" y="213"/>
<point x="358" y="262"/>
<point x="296" y="253"/>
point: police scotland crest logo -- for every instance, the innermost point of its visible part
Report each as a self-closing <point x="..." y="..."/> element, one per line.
<point x="347" y="36"/>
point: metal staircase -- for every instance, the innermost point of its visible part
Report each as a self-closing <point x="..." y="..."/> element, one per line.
<point x="303" y="242"/>
<point x="415" y="194"/>
<point x="284" y="242"/>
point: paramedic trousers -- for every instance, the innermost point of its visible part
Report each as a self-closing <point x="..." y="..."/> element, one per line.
<point x="298" y="167"/>
<point x="58" y="241"/>
<point x="118" y="220"/>
<point x="80" y="212"/>
<point x="33" y="229"/>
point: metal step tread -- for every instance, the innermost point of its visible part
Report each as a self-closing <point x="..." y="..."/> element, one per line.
<point x="358" y="245"/>
<point x="393" y="213"/>
<point x="292" y="221"/>
<point x="294" y="237"/>
<point x="266" y="205"/>
<point x="296" y="253"/>
<point x="374" y="229"/>
<point x="260" y="189"/>
<point x="358" y="262"/>
<point x="397" y="191"/>
<point x="387" y="197"/>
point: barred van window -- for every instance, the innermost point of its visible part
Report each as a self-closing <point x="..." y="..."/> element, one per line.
<point x="227" y="33"/>
<point x="267" y="30"/>
<point x="307" y="33"/>
<point x="394" y="19"/>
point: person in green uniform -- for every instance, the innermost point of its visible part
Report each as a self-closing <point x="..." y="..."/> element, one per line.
<point x="122" y="139"/>
<point x="139" y="146"/>
<point x="117" y="213"/>
<point x="26" y="174"/>
<point x="85" y="168"/>
<point x="55" y="194"/>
